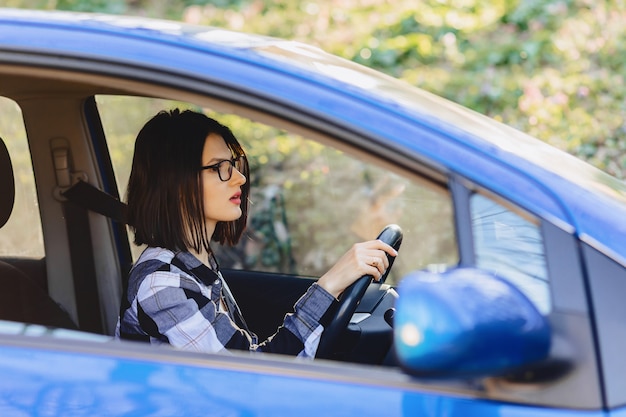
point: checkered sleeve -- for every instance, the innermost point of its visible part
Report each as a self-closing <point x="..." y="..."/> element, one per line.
<point x="301" y="331"/>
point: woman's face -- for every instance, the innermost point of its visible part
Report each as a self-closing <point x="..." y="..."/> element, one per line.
<point x="222" y="199"/>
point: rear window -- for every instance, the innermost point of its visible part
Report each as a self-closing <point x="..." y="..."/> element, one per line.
<point x="21" y="236"/>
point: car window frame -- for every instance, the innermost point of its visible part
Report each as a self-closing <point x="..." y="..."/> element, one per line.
<point x="570" y="317"/>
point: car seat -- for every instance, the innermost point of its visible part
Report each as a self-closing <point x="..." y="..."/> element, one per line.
<point x="21" y="298"/>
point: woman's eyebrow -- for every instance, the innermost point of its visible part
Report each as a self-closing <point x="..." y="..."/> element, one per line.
<point x="217" y="159"/>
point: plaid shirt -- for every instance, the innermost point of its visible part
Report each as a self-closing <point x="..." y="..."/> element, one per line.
<point x="175" y="299"/>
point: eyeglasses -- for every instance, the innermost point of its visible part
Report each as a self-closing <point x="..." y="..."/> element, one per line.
<point x="224" y="168"/>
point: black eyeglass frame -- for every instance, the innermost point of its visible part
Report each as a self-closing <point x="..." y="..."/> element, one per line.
<point x="217" y="167"/>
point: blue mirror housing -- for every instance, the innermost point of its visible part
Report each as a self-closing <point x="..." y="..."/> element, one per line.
<point x="466" y="322"/>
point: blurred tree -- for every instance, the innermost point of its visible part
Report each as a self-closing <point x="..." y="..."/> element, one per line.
<point x="552" y="68"/>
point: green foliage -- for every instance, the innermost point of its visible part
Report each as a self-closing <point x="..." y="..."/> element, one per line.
<point x="97" y="6"/>
<point x="100" y="6"/>
<point x="552" y="68"/>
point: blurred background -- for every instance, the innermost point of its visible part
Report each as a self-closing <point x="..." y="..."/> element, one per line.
<point x="552" y="68"/>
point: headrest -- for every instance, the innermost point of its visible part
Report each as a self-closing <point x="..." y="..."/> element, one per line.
<point x="7" y="185"/>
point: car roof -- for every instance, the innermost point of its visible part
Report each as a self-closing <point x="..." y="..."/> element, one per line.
<point x="587" y="199"/>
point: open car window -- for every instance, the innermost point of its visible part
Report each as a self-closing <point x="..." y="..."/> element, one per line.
<point x="309" y="201"/>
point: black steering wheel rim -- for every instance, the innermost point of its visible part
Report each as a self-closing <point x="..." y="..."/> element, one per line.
<point x="351" y="297"/>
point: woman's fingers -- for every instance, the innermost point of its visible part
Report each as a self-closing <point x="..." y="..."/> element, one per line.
<point x="366" y="258"/>
<point x="374" y="261"/>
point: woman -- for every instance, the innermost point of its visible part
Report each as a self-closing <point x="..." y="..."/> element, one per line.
<point x="189" y="186"/>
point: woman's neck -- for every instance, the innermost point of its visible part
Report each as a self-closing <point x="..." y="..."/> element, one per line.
<point x="203" y="255"/>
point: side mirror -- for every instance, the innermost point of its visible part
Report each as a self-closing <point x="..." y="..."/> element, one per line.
<point x="466" y="322"/>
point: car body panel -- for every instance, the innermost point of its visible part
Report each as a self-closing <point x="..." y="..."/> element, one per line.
<point x="111" y="380"/>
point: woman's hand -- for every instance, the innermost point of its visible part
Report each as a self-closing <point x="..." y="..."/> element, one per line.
<point x="366" y="258"/>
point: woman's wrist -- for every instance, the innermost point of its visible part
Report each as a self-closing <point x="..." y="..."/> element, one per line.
<point x="326" y="283"/>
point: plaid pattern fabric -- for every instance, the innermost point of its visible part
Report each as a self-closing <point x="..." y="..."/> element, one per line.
<point x="175" y="299"/>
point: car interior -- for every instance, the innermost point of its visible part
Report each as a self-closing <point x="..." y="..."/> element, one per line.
<point x="70" y="141"/>
<point x="23" y="299"/>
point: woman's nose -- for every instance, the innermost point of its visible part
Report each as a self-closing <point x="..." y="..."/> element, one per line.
<point x="238" y="177"/>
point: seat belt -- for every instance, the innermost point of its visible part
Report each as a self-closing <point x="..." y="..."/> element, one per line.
<point x="93" y="199"/>
<point x="83" y="197"/>
<point x="80" y="244"/>
<point x="83" y="268"/>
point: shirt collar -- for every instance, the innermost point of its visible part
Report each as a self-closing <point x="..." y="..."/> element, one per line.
<point x="193" y="266"/>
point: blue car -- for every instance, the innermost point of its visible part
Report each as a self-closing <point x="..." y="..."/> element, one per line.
<point x="506" y="298"/>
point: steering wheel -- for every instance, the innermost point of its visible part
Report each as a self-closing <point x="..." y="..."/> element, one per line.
<point x="351" y="297"/>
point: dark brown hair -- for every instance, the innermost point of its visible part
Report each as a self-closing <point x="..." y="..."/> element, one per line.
<point x="164" y="195"/>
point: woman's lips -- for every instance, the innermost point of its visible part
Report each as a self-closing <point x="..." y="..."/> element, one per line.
<point x="236" y="199"/>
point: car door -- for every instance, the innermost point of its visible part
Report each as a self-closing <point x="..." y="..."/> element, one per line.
<point x="448" y="219"/>
<point x="311" y="201"/>
<point x="334" y="164"/>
